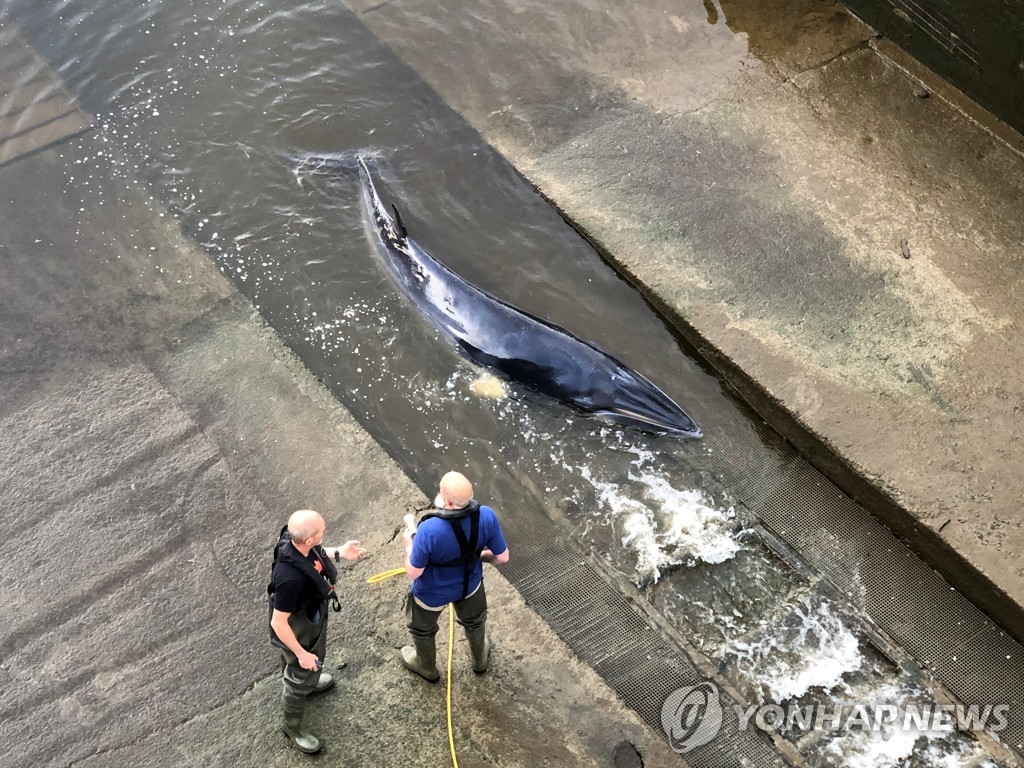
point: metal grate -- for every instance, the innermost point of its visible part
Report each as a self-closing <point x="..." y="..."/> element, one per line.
<point x="941" y="28"/>
<point x="908" y="601"/>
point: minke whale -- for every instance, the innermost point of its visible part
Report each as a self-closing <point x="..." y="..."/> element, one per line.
<point x="522" y="347"/>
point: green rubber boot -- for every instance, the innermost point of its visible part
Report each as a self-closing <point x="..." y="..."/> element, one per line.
<point x="480" y="647"/>
<point x="325" y="683"/>
<point x="304" y="741"/>
<point x="422" y="659"/>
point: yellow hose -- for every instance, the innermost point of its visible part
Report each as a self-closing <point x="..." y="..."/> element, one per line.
<point x="451" y="643"/>
<point x="376" y="579"/>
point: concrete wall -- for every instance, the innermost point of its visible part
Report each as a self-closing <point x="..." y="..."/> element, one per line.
<point x="978" y="46"/>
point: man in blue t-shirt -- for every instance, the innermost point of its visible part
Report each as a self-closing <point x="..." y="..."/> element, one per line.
<point x="445" y="559"/>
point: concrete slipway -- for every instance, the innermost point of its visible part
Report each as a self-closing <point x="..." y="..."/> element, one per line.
<point x="154" y="431"/>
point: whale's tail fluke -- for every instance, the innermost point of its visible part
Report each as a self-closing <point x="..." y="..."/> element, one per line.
<point x="391" y="229"/>
<point x="348" y="163"/>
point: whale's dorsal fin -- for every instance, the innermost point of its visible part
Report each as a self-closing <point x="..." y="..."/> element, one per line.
<point x="398" y="221"/>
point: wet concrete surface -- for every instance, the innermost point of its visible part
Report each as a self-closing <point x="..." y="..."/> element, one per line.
<point x="155" y="435"/>
<point x="975" y="46"/>
<point x="35" y="110"/>
<point x="844" y="246"/>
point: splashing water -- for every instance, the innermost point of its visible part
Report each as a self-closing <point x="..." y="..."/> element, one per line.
<point x="666" y="527"/>
<point x="789" y="662"/>
<point x="893" y="745"/>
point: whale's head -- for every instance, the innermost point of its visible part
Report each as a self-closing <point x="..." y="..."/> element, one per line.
<point x="635" y="402"/>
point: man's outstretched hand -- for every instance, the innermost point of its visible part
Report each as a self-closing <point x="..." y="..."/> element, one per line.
<point x="351" y="550"/>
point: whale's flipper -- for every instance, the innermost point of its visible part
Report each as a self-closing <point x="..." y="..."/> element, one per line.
<point x="398" y="221"/>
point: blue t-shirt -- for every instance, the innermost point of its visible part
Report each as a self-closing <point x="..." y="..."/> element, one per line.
<point x="435" y="542"/>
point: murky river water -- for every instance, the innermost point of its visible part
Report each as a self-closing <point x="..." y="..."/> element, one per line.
<point x="221" y="109"/>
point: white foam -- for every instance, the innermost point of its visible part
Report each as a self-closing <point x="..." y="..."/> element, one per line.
<point x="872" y="749"/>
<point x="961" y="754"/>
<point x="666" y="527"/>
<point x="891" y="744"/>
<point x="787" y="667"/>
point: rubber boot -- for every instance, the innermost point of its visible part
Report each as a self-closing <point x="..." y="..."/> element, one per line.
<point x="422" y="659"/>
<point x="304" y="741"/>
<point x="480" y="647"/>
<point x="325" y="683"/>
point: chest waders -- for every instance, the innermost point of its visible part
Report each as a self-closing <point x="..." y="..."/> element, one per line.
<point x="299" y="683"/>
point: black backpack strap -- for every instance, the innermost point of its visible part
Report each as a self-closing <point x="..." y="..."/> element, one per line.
<point x="469" y="547"/>
<point x="323" y="581"/>
<point x="277" y="550"/>
<point x="330" y="572"/>
<point x="469" y="553"/>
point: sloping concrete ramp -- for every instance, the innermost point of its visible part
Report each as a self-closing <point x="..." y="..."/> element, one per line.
<point x="36" y="113"/>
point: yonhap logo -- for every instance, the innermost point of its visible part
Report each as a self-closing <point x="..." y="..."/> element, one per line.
<point x="692" y="716"/>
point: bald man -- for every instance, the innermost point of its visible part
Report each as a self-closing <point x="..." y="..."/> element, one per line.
<point x="302" y="583"/>
<point x="444" y="560"/>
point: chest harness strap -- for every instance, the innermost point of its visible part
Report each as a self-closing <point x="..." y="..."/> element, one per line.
<point x="469" y="549"/>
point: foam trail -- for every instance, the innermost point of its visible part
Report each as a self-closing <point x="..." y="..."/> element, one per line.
<point x="666" y="527"/>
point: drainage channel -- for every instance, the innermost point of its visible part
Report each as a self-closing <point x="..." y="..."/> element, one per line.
<point x="663" y="564"/>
